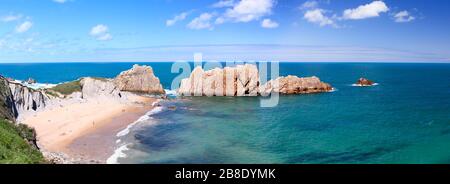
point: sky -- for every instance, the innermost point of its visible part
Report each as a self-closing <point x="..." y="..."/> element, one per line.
<point x="223" y="30"/>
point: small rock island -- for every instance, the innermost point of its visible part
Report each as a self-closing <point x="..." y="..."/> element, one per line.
<point x="364" y="82"/>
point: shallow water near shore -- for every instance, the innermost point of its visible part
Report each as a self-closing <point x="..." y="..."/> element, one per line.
<point x="404" y="119"/>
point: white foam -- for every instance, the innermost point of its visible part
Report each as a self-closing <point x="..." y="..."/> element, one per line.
<point x="359" y="85"/>
<point x="118" y="153"/>
<point x="145" y="117"/>
<point x="333" y="90"/>
<point x="170" y="92"/>
<point x="35" y="85"/>
<point x="155" y="102"/>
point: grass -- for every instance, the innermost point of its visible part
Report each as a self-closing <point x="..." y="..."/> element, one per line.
<point x="14" y="149"/>
<point x="68" y="87"/>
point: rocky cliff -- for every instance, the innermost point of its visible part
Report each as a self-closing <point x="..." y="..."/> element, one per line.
<point x="94" y="87"/>
<point x="243" y="80"/>
<point x="16" y="98"/>
<point x="7" y="107"/>
<point x="26" y="99"/>
<point x="140" y="79"/>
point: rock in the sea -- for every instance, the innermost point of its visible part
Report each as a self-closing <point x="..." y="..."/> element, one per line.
<point x="243" y="80"/>
<point x="295" y="85"/>
<point x="95" y="87"/>
<point x="364" y="82"/>
<point x="140" y="79"/>
<point x="30" y="81"/>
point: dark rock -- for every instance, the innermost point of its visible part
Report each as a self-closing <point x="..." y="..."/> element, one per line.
<point x="364" y="82"/>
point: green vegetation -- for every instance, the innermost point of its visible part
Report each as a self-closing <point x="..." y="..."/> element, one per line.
<point x="51" y="93"/>
<point x="68" y="87"/>
<point x="14" y="149"/>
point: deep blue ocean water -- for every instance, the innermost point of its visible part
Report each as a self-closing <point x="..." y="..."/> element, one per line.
<point x="404" y="119"/>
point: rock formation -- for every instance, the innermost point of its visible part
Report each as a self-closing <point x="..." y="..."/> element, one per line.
<point x="16" y="98"/>
<point x="94" y="87"/>
<point x="7" y="107"/>
<point x="364" y="82"/>
<point x="295" y="85"/>
<point x="26" y="99"/>
<point x="243" y="80"/>
<point x="140" y="79"/>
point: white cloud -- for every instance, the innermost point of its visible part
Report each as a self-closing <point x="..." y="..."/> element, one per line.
<point x="177" y="18"/>
<point x="24" y="27"/>
<point x="366" y="11"/>
<point x="249" y="10"/>
<point x="10" y="18"/>
<point x="317" y="16"/>
<point x="220" y="20"/>
<point x="224" y="3"/>
<point x="104" y="37"/>
<point x="309" y="5"/>
<point x="403" y="16"/>
<point x="267" y="23"/>
<point x="60" y="1"/>
<point x="201" y="22"/>
<point x="100" y="32"/>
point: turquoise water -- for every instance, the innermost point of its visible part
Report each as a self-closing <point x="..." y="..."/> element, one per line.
<point x="405" y="119"/>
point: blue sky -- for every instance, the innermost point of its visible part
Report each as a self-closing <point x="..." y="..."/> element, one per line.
<point x="170" y="30"/>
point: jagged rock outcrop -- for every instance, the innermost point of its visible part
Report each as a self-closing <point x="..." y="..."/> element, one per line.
<point x="16" y="98"/>
<point x="295" y="85"/>
<point x="364" y="82"/>
<point x="94" y="87"/>
<point x="243" y="80"/>
<point x="26" y="99"/>
<point x="140" y="79"/>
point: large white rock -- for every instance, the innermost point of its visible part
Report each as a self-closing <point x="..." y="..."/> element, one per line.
<point x="243" y="80"/>
<point x="27" y="99"/>
<point x="140" y="79"/>
<point x="93" y="88"/>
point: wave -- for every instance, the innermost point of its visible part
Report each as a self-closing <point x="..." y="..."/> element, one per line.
<point x="359" y="85"/>
<point x="118" y="153"/>
<point x="145" y="117"/>
<point x="171" y="92"/>
<point x="36" y="85"/>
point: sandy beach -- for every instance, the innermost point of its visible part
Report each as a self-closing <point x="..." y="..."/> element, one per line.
<point x="85" y="130"/>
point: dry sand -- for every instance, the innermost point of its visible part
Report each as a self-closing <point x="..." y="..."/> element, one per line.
<point x="85" y="129"/>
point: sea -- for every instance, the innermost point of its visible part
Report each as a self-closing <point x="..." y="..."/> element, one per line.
<point x="403" y="119"/>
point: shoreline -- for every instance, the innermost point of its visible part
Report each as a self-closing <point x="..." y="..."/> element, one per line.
<point x="76" y="131"/>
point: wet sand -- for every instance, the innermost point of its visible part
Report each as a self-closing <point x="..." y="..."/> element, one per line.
<point x="85" y="131"/>
<point x="99" y="145"/>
